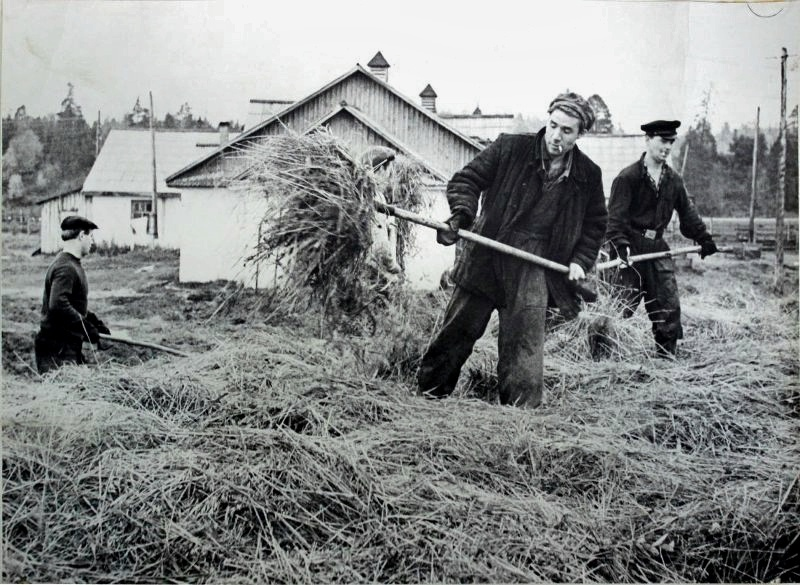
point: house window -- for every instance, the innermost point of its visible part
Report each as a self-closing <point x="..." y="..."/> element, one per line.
<point x="141" y="208"/>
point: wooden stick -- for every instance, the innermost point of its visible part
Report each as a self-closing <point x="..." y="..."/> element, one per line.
<point x="143" y="344"/>
<point x="654" y="256"/>
<point x="471" y="237"/>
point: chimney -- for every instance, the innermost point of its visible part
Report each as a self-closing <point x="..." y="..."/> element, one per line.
<point x="224" y="132"/>
<point x="379" y="67"/>
<point x="428" y="98"/>
<point x="477" y="111"/>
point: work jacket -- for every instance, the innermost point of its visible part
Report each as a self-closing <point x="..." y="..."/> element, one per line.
<point x="504" y="178"/>
<point x="637" y="205"/>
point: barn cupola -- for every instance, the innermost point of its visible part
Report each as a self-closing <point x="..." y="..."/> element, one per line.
<point x="428" y="97"/>
<point x="379" y="67"/>
<point x="224" y="132"/>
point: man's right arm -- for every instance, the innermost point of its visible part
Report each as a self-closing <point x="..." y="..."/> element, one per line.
<point x="465" y="188"/>
<point x="619" y="220"/>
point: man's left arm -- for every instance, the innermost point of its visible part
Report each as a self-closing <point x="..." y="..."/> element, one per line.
<point x="98" y="323"/>
<point x="594" y="224"/>
<point x="692" y="225"/>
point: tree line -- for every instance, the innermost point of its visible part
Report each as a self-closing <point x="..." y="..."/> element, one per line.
<point x="53" y="154"/>
<point x="721" y="182"/>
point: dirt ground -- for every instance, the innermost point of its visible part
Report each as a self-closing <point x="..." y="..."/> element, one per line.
<point x="139" y="296"/>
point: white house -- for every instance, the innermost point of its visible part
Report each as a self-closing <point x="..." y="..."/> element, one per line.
<point x="118" y="192"/>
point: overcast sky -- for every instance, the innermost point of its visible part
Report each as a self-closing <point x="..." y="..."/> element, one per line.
<point x="646" y="59"/>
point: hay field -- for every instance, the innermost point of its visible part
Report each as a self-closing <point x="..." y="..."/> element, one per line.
<point x="275" y="455"/>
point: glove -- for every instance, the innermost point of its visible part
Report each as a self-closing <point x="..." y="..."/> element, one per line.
<point x="98" y="324"/>
<point x="622" y="252"/>
<point x="707" y="247"/>
<point x="449" y="237"/>
<point x="576" y="272"/>
<point x="91" y="332"/>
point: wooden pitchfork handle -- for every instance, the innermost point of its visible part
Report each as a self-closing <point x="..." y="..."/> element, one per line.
<point x="582" y="291"/>
<point x="143" y="344"/>
<point x="471" y="237"/>
<point x="655" y="256"/>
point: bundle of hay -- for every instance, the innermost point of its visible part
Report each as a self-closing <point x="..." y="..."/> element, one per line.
<point x="319" y="218"/>
<point x="282" y="458"/>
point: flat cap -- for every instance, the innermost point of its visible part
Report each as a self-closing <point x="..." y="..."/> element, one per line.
<point x="76" y="222"/>
<point x="664" y="128"/>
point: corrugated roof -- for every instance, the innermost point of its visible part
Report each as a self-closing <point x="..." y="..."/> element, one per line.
<point x="124" y="164"/>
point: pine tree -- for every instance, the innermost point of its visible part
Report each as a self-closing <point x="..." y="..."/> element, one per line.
<point x="603" y="123"/>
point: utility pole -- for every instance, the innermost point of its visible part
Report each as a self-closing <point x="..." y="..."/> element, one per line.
<point x="751" y="230"/>
<point x="685" y="156"/>
<point x="155" y="182"/>
<point x="778" y="285"/>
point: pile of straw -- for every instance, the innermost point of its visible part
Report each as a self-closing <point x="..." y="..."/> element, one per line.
<point x="317" y="226"/>
<point x="284" y="457"/>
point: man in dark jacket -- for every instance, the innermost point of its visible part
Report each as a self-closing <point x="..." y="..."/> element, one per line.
<point x="643" y="197"/>
<point x="66" y="321"/>
<point x="540" y="193"/>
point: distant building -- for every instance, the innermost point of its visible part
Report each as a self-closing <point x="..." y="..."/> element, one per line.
<point x="612" y="153"/>
<point x="118" y="191"/>
<point x="484" y="128"/>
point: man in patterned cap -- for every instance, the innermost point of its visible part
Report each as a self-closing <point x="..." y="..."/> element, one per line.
<point x="643" y="197"/>
<point x="539" y="193"/>
<point x="66" y="320"/>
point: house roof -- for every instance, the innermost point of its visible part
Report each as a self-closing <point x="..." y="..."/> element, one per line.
<point x="58" y="195"/>
<point x="357" y="70"/>
<point x="125" y="163"/>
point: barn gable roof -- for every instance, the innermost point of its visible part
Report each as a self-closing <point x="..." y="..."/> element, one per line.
<point x="363" y="119"/>
<point x="182" y="176"/>
<point x="125" y="163"/>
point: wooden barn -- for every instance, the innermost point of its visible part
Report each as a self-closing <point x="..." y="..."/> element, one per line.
<point x="117" y="193"/>
<point x="362" y="109"/>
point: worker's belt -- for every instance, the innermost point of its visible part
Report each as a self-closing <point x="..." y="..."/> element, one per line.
<point x="652" y="234"/>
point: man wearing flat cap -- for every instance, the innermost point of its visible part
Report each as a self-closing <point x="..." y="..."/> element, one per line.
<point x="66" y="320"/>
<point x="643" y="198"/>
<point x="540" y="193"/>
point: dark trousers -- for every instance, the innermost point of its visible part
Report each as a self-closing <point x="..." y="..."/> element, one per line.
<point x="654" y="281"/>
<point x="520" y="366"/>
<point x="53" y="353"/>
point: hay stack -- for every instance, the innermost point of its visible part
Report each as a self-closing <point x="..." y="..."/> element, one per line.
<point x="284" y="458"/>
<point x="320" y="205"/>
